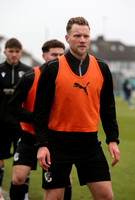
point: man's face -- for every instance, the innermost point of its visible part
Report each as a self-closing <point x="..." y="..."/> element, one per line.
<point x="52" y="54"/>
<point x="79" y="40"/>
<point x="13" y="55"/>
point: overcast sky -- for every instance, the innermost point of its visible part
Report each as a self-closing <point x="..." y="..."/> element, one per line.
<point x="35" y="21"/>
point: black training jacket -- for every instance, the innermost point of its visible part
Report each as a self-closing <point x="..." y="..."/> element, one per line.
<point x="45" y="92"/>
<point x="9" y="76"/>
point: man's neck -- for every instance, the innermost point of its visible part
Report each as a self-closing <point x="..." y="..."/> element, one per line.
<point x="12" y="64"/>
<point x="79" y="57"/>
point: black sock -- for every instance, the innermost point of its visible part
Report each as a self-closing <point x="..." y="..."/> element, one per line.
<point x="17" y="192"/>
<point x="1" y="174"/>
<point x="68" y="193"/>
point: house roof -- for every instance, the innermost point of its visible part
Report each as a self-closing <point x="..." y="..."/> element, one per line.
<point x="111" y="50"/>
<point x="25" y="53"/>
<point x="1" y="38"/>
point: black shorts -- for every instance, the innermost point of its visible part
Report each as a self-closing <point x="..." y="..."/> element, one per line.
<point x="26" y="153"/>
<point x="88" y="158"/>
<point x="8" y="137"/>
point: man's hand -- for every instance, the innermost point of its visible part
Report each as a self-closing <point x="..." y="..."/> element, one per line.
<point x="43" y="157"/>
<point x="114" y="152"/>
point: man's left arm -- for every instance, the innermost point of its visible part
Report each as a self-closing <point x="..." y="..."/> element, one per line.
<point x="114" y="152"/>
<point x="108" y="115"/>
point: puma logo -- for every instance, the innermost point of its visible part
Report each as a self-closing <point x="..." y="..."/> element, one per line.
<point x="81" y="87"/>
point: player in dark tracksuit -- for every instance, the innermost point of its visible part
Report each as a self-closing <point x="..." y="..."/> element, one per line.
<point x="9" y="76"/>
<point x="10" y="73"/>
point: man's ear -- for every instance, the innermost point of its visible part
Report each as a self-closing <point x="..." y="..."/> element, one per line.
<point x="5" y="52"/>
<point x="66" y="38"/>
<point x="44" y="56"/>
<point x="21" y="53"/>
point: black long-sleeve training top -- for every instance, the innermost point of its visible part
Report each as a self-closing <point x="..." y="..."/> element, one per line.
<point x="9" y="77"/>
<point x="45" y="93"/>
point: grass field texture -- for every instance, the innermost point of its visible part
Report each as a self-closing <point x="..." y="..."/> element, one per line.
<point x="123" y="174"/>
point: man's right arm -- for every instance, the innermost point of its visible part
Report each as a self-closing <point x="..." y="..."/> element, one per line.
<point x="19" y="96"/>
<point x="43" y="157"/>
<point x="43" y="101"/>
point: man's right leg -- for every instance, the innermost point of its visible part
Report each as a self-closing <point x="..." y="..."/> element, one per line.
<point x="18" y="188"/>
<point x="55" y="194"/>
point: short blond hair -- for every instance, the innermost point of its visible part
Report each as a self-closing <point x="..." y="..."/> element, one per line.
<point x="76" y="20"/>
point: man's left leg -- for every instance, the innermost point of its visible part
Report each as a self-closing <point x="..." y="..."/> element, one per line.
<point x="93" y="171"/>
<point x="101" y="190"/>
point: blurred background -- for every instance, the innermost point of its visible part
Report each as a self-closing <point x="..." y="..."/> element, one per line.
<point x="112" y="31"/>
<point x="112" y="40"/>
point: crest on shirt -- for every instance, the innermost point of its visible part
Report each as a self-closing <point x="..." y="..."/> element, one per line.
<point x="21" y="73"/>
<point x="16" y="156"/>
<point x="3" y="74"/>
<point x="48" y="176"/>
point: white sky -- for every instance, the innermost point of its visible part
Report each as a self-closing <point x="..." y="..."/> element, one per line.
<point x="35" y="21"/>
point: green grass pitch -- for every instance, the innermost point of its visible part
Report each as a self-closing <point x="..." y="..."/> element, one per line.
<point x="123" y="174"/>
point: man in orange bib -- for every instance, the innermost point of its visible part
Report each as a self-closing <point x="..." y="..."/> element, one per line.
<point x="73" y="91"/>
<point x="21" y="107"/>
